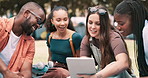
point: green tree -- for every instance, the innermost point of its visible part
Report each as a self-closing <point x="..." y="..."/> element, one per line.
<point x="15" y="5"/>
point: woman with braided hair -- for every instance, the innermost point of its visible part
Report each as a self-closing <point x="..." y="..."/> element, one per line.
<point x="132" y="17"/>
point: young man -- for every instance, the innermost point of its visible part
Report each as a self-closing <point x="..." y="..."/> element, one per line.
<point x="17" y="47"/>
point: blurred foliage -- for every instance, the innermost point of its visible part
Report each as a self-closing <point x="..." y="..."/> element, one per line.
<point x="15" y="5"/>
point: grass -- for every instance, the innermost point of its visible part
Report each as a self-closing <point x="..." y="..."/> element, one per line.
<point x="41" y="54"/>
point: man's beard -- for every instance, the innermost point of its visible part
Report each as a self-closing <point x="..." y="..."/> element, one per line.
<point x="27" y="27"/>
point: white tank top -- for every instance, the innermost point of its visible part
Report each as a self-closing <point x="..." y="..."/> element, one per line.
<point x="8" y="51"/>
<point x="145" y="40"/>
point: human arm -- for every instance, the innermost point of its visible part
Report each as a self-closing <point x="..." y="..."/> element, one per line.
<point x="121" y="60"/>
<point x="48" y="38"/>
<point x="85" y="50"/>
<point x="76" y="39"/>
<point x="116" y="67"/>
<point x="26" y="70"/>
<point x="6" y="72"/>
<point x="78" y="53"/>
<point x="27" y="56"/>
<point x="50" y="54"/>
<point x="113" y="68"/>
<point x="3" y="67"/>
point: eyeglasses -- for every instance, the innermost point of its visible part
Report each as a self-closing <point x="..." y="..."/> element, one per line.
<point x="95" y="9"/>
<point x="39" y="20"/>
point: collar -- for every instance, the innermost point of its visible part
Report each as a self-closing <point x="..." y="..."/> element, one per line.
<point x="9" y="24"/>
<point x="25" y="37"/>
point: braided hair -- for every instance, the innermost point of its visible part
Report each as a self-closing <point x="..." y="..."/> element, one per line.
<point x="139" y="14"/>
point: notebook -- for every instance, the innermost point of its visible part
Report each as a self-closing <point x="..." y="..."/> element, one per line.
<point x="80" y="65"/>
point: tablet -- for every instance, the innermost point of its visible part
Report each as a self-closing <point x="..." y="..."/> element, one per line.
<point x="77" y="65"/>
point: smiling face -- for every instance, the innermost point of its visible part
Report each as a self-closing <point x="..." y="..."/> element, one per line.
<point x="60" y="20"/>
<point x="27" y="27"/>
<point x="32" y="21"/>
<point x="93" y="25"/>
<point x="123" y="23"/>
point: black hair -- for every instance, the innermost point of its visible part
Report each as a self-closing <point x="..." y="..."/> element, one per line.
<point x="50" y="27"/>
<point x="139" y="14"/>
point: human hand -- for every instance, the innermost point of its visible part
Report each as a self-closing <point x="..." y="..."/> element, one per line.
<point x="9" y="74"/>
<point x="19" y="74"/>
<point x="86" y="76"/>
<point x="89" y="76"/>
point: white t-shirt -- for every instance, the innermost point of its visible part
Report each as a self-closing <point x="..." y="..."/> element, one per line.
<point x="145" y="40"/>
<point x="8" y="51"/>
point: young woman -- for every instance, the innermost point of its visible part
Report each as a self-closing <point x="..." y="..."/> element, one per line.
<point x="132" y="17"/>
<point x="59" y="44"/>
<point x="110" y="46"/>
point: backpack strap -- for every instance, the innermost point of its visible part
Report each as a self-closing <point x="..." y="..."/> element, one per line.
<point x="70" y="41"/>
<point x="50" y="37"/>
<point x="72" y="46"/>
